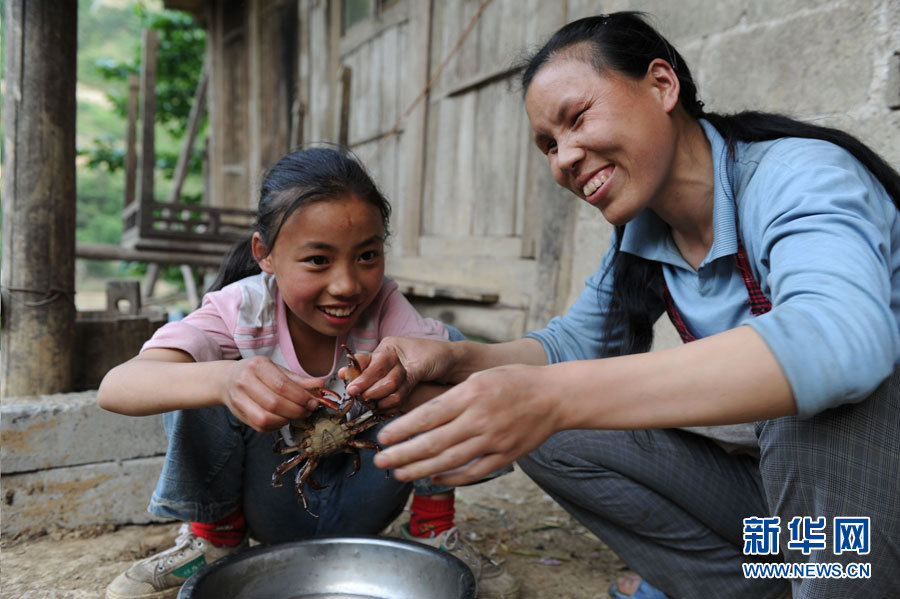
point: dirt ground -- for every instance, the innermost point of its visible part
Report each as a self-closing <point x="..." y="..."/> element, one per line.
<point x="508" y="518"/>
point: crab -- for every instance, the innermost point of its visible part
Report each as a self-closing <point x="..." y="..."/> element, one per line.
<point x="324" y="432"/>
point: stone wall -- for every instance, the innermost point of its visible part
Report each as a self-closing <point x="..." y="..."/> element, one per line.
<point x="68" y="463"/>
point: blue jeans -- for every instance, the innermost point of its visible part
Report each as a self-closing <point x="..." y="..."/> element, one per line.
<point x="215" y="464"/>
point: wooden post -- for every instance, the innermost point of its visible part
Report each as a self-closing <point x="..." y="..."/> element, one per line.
<point x="131" y="139"/>
<point x="38" y="264"/>
<point x="147" y="159"/>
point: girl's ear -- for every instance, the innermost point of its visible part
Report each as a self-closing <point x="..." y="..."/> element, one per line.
<point x="261" y="253"/>
<point x="665" y="81"/>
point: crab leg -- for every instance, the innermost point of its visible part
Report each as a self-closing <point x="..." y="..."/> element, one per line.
<point x="285" y="466"/>
<point x="302" y="475"/>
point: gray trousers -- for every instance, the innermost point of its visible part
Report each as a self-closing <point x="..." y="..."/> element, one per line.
<point x="671" y="503"/>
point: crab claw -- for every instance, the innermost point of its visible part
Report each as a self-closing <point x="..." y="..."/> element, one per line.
<point x="321" y="396"/>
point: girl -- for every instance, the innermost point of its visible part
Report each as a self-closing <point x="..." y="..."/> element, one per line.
<point x="249" y="361"/>
<point x="774" y="245"/>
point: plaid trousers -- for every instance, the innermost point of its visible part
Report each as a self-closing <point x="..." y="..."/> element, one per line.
<point x="671" y="503"/>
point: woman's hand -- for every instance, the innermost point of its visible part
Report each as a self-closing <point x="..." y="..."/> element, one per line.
<point x="398" y="364"/>
<point x="478" y="426"/>
<point x="265" y="396"/>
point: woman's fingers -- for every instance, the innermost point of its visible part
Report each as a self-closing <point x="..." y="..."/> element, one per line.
<point x="382" y="373"/>
<point x="473" y="471"/>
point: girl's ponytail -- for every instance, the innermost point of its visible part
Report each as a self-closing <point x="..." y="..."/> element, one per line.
<point x="237" y="264"/>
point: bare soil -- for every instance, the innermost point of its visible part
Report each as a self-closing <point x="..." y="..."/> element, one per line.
<point x="508" y="518"/>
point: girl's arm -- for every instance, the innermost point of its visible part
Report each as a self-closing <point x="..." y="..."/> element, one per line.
<point x="500" y="414"/>
<point x="258" y="392"/>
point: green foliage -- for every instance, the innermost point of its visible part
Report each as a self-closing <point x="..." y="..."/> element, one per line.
<point x="109" y="52"/>
<point x="180" y="52"/>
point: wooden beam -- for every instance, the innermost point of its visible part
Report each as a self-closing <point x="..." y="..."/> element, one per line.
<point x="134" y="87"/>
<point x="38" y="262"/>
<point x="198" y="109"/>
<point x="106" y="251"/>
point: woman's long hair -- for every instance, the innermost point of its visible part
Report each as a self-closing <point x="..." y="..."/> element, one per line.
<point x="298" y="179"/>
<point x="624" y="42"/>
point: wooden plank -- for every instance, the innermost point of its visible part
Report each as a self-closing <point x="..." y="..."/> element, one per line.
<point x="344" y="94"/>
<point x="494" y="168"/>
<point x="335" y="24"/>
<point x="300" y="105"/>
<point x="417" y="288"/>
<point x="439" y="202"/>
<point x="256" y="97"/>
<point x="105" y="251"/>
<point x="508" y="247"/>
<point x="414" y="43"/>
<point x="463" y="188"/>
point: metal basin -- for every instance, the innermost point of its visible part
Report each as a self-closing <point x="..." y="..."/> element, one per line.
<point x="334" y="568"/>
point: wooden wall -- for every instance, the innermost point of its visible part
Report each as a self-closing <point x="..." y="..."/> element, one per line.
<point x="470" y="194"/>
<point x="474" y="202"/>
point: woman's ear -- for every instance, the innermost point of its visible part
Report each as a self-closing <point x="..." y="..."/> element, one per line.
<point x="261" y="253"/>
<point x="663" y="78"/>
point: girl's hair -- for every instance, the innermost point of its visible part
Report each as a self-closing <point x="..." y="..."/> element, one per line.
<point x="625" y="43"/>
<point x="297" y="180"/>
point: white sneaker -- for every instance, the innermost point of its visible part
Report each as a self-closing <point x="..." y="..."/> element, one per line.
<point x="160" y="576"/>
<point x="493" y="581"/>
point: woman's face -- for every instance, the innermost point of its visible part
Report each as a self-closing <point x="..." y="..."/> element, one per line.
<point x="328" y="262"/>
<point x="609" y="139"/>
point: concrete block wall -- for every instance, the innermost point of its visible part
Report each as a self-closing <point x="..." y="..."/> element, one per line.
<point x="832" y="62"/>
<point x="67" y="463"/>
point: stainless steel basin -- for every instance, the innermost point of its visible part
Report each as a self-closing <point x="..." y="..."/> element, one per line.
<point x="335" y="568"/>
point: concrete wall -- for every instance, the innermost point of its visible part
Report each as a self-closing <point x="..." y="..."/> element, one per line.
<point x="67" y="463"/>
<point x="835" y="63"/>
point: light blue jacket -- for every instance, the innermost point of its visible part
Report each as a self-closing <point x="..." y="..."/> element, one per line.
<point x="823" y="238"/>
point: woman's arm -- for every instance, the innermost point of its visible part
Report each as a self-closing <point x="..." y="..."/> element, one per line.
<point x="260" y="393"/>
<point x="500" y="414"/>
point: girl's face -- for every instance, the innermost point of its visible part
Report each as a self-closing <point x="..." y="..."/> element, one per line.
<point x="328" y="262"/>
<point x="609" y="139"/>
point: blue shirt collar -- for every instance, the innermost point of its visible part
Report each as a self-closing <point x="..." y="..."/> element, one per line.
<point x="648" y="236"/>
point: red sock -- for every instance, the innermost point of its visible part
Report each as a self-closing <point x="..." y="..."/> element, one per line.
<point x="430" y="517"/>
<point x="228" y="531"/>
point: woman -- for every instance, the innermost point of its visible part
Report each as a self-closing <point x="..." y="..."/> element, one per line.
<point x="776" y="245"/>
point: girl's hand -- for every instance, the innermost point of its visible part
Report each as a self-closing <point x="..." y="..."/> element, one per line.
<point x="398" y="364"/>
<point x="266" y="396"/>
<point x="478" y="426"/>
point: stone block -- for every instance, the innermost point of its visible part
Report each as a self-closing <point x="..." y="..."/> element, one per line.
<point x="809" y="65"/>
<point x="107" y="493"/>
<point x="69" y="429"/>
